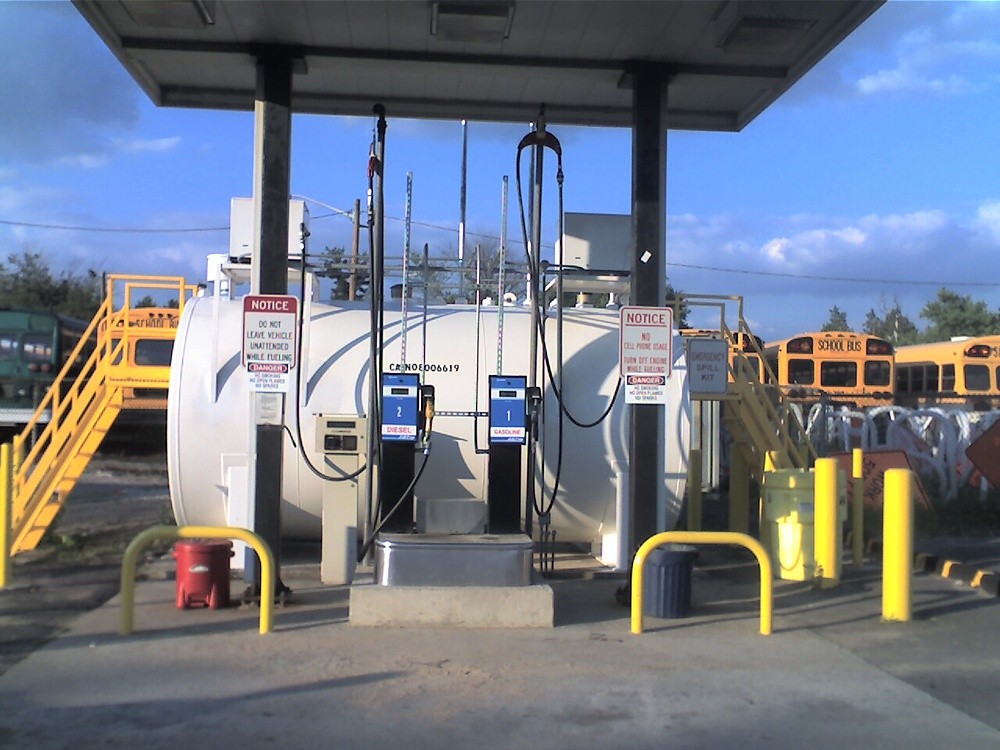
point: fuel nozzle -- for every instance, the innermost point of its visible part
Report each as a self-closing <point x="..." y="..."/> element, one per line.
<point x="533" y="395"/>
<point x="427" y="399"/>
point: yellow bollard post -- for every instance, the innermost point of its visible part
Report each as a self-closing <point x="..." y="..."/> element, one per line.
<point x="897" y="546"/>
<point x="826" y="523"/>
<point x="694" y="490"/>
<point x="6" y="499"/>
<point x="858" y="508"/>
<point x="739" y="491"/>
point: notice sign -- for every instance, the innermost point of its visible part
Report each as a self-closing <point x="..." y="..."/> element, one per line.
<point x="645" y="355"/>
<point x="269" y="343"/>
<point x="708" y="366"/>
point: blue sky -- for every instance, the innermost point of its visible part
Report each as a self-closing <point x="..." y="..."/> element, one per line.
<point x="875" y="178"/>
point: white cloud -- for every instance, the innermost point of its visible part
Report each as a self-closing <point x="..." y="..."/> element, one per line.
<point x="940" y="49"/>
<point x="83" y="161"/>
<point x="988" y="219"/>
<point x="777" y="249"/>
<point x="62" y="89"/>
<point x="138" y="146"/>
<point x="115" y="147"/>
<point x="18" y="201"/>
<point x="951" y="56"/>
<point x="791" y="270"/>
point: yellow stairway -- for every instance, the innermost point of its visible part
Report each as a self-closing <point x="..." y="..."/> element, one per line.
<point x="50" y="457"/>
<point x="762" y="421"/>
<point x="759" y="418"/>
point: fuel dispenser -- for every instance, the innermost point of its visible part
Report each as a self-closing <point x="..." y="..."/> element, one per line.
<point x="401" y="422"/>
<point x="507" y="434"/>
<point x="341" y="439"/>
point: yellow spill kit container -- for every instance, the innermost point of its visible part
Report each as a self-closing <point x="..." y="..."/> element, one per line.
<point x="787" y="528"/>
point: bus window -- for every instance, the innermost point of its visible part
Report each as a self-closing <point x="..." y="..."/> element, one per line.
<point x="877" y="373"/>
<point x="931" y="379"/>
<point x="8" y="347"/>
<point x="838" y="374"/>
<point x="154" y="352"/>
<point x="801" y="372"/>
<point x="948" y="377"/>
<point x="902" y="379"/>
<point x="37" y="347"/>
<point x="977" y="377"/>
<point x="917" y="378"/>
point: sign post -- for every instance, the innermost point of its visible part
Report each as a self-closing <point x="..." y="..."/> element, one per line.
<point x="645" y="353"/>
<point x="270" y="355"/>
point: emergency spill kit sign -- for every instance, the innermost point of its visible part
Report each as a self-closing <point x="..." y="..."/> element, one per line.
<point x="269" y="342"/>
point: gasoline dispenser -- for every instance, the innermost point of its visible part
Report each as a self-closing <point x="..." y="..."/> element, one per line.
<point x="507" y="436"/>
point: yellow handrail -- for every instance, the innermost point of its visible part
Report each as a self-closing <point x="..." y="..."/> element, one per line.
<point x="144" y="538"/>
<point x="6" y="495"/>
<point x="704" y="537"/>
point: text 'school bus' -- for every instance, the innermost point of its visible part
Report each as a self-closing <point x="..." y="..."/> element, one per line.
<point x="34" y="346"/>
<point x="853" y="369"/>
<point x="964" y="372"/>
<point x="742" y="343"/>
<point x="149" y="343"/>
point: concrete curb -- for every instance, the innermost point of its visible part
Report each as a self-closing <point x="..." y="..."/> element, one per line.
<point x="986" y="580"/>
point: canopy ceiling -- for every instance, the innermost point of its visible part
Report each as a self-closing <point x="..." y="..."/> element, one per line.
<point x="479" y="60"/>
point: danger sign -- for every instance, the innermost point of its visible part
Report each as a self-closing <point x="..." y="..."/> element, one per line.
<point x="645" y="353"/>
<point x="270" y="349"/>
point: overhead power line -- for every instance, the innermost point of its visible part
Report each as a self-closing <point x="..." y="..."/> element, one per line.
<point x="851" y="279"/>
<point x="120" y="230"/>
<point x="348" y="214"/>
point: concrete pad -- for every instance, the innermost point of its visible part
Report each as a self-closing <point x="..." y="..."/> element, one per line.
<point x="832" y="676"/>
<point x="452" y="606"/>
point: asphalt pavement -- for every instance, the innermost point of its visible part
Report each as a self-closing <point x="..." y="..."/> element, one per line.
<point x="831" y="675"/>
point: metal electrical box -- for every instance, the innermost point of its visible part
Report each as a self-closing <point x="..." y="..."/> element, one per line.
<point x="341" y="434"/>
<point x="241" y="227"/>
<point x="342" y="440"/>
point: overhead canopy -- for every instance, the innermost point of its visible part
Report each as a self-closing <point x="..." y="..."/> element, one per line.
<point x="479" y="60"/>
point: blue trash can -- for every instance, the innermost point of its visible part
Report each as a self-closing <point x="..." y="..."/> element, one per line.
<point x="666" y="582"/>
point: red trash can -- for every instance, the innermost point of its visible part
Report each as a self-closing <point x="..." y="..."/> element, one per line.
<point x="203" y="573"/>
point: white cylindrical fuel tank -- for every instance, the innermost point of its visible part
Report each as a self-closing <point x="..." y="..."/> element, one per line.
<point x="209" y="417"/>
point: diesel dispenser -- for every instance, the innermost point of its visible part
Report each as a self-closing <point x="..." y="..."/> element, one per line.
<point x="401" y="422"/>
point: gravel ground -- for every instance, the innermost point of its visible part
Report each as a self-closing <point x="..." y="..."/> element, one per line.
<point x="77" y="566"/>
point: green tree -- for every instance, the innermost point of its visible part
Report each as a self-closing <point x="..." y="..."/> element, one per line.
<point x="444" y="274"/>
<point x="891" y="325"/>
<point x="27" y="282"/>
<point x="675" y="299"/>
<point x="489" y="271"/>
<point x="837" y="321"/>
<point x="336" y="266"/>
<point x="952" y="314"/>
